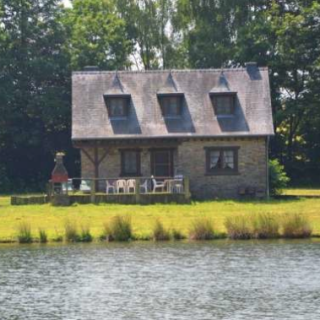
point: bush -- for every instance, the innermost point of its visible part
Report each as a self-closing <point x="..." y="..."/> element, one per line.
<point x="71" y="231"/>
<point x="119" y="229"/>
<point x="159" y="232"/>
<point x="238" y="227"/>
<point x="296" y="226"/>
<point x="265" y="226"/>
<point x="43" y="237"/>
<point x="278" y="179"/>
<point x="24" y="233"/>
<point x="202" y="229"/>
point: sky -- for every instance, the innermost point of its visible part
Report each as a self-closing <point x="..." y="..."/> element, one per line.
<point x="66" y="3"/>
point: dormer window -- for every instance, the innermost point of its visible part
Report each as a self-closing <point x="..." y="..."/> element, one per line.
<point x="223" y="103"/>
<point x="117" y="105"/>
<point x="171" y="104"/>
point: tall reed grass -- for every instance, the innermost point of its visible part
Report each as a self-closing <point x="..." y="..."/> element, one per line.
<point x="296" y="226"/>
<point x="43" y="237"/>
<point x="239" y="227"/>
<point x="118" y="229"/>
<point x="24" y="233"/>
<point x="265" y="226"/>
<point x="202" y="229"/>
<point x="159" y="232"/>
<point x="85" y="234"/>
<point x="71" y="231"/>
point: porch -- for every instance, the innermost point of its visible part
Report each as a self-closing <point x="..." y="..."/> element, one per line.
<point x="124" y="190"/>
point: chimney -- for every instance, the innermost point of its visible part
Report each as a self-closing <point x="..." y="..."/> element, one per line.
<point x="91" y="68"/>
<point x="59" y="173"/>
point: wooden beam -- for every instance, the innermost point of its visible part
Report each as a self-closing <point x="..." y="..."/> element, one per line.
<point x="103" y="156"/>
<point x="88" y="155"/>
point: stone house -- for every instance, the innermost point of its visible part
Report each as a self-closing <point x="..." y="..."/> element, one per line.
<point x="212" y="126"/>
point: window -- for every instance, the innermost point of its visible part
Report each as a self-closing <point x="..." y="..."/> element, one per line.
<point x="171" y="105"/>
<point x="130" y="163"/>
<point x="118" y="106"/>
<point x="223" y="103"/>
<point x="222" y="160"/>
<point x="162" y="162"/>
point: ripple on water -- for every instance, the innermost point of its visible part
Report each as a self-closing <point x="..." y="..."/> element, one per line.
<point x="213" y="280"/>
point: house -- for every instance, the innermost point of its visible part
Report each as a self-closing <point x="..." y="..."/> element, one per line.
<point x="212" y="126"/>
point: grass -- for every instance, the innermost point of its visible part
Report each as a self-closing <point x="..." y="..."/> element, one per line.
<point x="296" y="226"/>
<point x="159" y="232"/>
<point x="266" y="226"/>
<point x="24" y="232"/>
<point x="302" y="192"/>
<point x="43" y="237"/>
<point x="239" y="227"/>
<point x="118" y="229"/>
<point x="202" y="229"/>
<point x="71" y="231"/>
<point x="52" y="219"/>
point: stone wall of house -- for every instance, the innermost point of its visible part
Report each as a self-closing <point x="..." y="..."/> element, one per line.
<point x="251" y="166"/>
<point x="190" y="160"/>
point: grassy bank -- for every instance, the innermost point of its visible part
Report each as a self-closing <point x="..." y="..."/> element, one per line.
<point x="179" y="217"/>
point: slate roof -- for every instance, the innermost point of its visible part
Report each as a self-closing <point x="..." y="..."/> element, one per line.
<point x="253" y="115"/>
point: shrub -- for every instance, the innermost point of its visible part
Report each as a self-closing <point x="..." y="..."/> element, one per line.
<point x="43" y="237"/>
<point x="159" y="232"/>
<point x="265" y="226"/>
<point x="296" y="226"/>
<point x="202" y="229"/>
<point x="24" y="233"/>
<point x="85" y="235"/>
<point x="278" y="179"/>
<point x="119" y="229"/>
<point x="238" y="227"/>
<point x="177" y="235"/>
<point x="71" y="231"/>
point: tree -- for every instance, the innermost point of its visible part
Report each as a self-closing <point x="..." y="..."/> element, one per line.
<point x="97" y="35"/>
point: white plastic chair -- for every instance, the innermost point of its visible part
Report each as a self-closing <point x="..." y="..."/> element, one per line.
<point x="144" y="186"/>
<point x="85" y="186"/>
<point x="157" y="185"/>
<point x="131" y="185"/>
<point x="178" y="184"/>
<point x="121" y="185"/>
<point x="110" y="187"/>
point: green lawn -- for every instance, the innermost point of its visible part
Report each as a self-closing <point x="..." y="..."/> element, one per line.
<point x="302" y="192"/>
<point x="52" y="219"/>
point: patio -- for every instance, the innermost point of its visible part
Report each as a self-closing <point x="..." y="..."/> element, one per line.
<point x="126" y="190"/>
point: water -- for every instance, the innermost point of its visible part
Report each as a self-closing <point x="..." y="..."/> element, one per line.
<point x="213" y="280"/>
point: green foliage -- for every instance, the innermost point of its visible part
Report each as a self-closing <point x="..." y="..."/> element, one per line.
<point x="278" y="179"/>
<point x="296" y="226"/>
<point x="239" y="227"/>
<point x="202" y="229"/>
<point x="118" y="229"/>
<point x="24" y="233"/>
<point x="85" y="234"/>
<point x="159" y="232"/>
<point x="177" y="235"/>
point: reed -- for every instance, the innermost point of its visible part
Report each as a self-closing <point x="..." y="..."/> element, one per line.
<point x="159" y="232"/>
<point x="71" y="231"/>
<point x="265" y="226"/>
<point x="43" y="237"/>
<point x="85" y="234"/>
<point x="296" y="226"/>
<point x="24" y="233"/>
<point x="177" y="235"/>
<point x="118" y="229"/>
<point x="202" y="229"/>
<point x="238" y="227"/>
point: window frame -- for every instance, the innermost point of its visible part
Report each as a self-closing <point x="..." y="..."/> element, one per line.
<point x="170" y="164"/>
<point x="163" y="96"/>
<point x="214" y="97"/>
<point x="126" y="98"/>
<point x="222" y="171"/>
<point x="137" y="173"/>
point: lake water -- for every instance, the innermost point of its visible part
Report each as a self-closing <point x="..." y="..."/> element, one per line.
<point x="212" y="280"/>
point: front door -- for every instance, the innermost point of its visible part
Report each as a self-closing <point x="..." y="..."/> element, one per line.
<point x="162" y="163"/>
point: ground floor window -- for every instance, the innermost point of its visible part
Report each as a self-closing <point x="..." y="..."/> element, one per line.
<point x="222" y="160"/>
<point x="130" y="163"/>
<point x="162" y="162"/>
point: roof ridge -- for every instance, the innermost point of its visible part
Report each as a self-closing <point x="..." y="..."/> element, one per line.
<point x="216" y="70"/>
